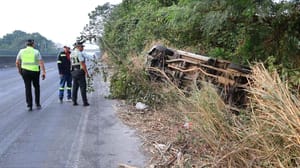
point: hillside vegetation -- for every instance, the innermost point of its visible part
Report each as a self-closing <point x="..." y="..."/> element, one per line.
<point x="262" y="34"/>
<point x="11" y="43"/>
<point x="241" y="31"/>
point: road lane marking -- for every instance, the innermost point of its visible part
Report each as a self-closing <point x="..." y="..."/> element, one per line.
<point x="74" y="155"/>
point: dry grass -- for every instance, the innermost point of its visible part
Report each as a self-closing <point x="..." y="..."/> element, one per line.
<point x="275" y="121"/>
<point x="267" y="135"/>
<point x="218" y="129"/>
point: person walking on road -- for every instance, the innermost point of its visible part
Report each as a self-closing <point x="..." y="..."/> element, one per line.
<point x="79" y="73"/>
<point x="29" y="62"/>
<point x="64" y="69"/>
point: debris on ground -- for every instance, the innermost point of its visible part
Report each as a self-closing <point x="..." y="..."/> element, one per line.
<point x="166" y="141"/>
<point x="140" y="106"/>
<point x="125" y="166"/>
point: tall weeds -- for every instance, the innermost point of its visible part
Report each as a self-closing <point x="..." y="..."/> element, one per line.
<point x="220" y="130"/>
<point x="265" y="135"/>
<point x="275" y="120"/>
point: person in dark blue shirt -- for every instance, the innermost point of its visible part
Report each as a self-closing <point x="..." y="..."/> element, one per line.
<point x="64" y="69"/>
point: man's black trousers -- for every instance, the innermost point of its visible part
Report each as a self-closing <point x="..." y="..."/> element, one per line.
<point x="79" y="81"/>
<point x="31" y="78"/>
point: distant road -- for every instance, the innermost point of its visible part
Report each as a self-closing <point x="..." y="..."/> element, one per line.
<point x="61" y="135"/>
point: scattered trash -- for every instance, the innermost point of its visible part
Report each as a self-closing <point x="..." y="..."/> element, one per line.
<point x="160" y="146"/>
<point x="125" y="166"/>
<point x="140" y="106"/>
<point x="187" y="125"/>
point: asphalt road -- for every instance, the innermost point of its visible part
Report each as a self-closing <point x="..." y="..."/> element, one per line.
<point x="62" y="135"/>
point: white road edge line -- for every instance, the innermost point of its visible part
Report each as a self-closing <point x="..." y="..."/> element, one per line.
<point x="74" y="155"/>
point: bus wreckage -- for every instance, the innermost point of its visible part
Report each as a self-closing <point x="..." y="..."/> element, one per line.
<point x="187" y="70"/>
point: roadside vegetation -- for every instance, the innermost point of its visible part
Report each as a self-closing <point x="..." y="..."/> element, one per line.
<point x="265" y="135"/>
<point x="199" y="130"/>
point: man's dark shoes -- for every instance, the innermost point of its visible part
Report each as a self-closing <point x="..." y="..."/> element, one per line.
<point x="86" y="104"/>
<point x="38" y="106"/>
<point x="29" y="108"/>
<point x="75" y="104"/>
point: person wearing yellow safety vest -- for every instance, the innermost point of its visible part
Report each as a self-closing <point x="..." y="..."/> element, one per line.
<point x="64" y="70"/>
<point x="79" y="72"/>
<point x="29" y="62"/>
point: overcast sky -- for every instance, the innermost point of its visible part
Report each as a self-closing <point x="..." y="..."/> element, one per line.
<point x="58" y="20"/>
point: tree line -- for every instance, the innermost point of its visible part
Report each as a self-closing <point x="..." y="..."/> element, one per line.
<point x="11" y="43"/>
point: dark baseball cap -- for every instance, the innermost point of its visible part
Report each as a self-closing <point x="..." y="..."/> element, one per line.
<point x="78" y="44"/>
<point x="30" y="42"/>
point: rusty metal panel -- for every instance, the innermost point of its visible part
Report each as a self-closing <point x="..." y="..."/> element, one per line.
<point x="186" y="69"/>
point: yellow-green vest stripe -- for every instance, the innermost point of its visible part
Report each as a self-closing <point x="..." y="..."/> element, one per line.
<point x="29" y="62"/>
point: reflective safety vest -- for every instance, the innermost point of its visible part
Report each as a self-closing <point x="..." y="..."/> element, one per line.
<point x="75" y="60"/>
<point x="29" y="62"/>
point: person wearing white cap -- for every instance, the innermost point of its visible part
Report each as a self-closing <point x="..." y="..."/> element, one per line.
<point x="64" y="70"/>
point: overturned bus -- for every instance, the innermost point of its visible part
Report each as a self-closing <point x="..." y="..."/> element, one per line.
<point x="187" y="70"/>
